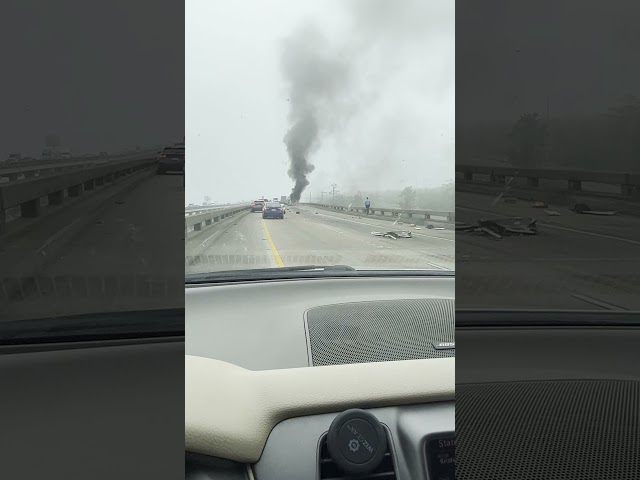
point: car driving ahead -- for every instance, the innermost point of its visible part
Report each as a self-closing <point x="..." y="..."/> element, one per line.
<point x="171" y="159"/>
<point x="273" y="210"/>
<point x="257" y="205"/>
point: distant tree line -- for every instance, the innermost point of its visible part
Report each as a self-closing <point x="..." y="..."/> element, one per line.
<point x="610" y="141"/>
<point x="440" y="198"/>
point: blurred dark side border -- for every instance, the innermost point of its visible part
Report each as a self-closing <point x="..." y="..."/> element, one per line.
<point x="91" y="240"/>
<point x="547" y="240"/>
<point x="544" y="318"/>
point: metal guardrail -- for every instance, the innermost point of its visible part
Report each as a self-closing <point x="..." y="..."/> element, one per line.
<point x="628" y="183"/>
<point x="199" y="221"/>
<point x="393" y="212"/>
<point x="197" y="210"/>
<point x="11" y="171"/>
<point x="27" y="193"/>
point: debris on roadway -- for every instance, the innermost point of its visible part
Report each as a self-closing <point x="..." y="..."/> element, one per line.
<point x="501" y="227"/>
<point x="393" y="234"/>
<point x="583" y="208"/>
<point x="504" y="199"/>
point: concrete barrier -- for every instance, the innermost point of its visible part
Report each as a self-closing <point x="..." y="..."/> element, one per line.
<point x="198" y="210"/>
<point x="14" y="171"/>
<point x="625" y="185"/>
<point x="197" y="222"/>
<point x="27" y="194"/>
<point x="392" y="212"/>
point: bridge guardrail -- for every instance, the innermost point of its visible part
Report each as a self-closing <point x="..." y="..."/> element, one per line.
<point x="26" y="193"/>
<point x="628" y="183"/>
<point x="197" y="210"/>
<point x="11" y="171"/>
<point x="199" y="221"/>
<point x="393" y="212"/>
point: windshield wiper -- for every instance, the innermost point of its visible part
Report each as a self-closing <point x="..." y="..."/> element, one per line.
<point x="268" y="272"/>
<point x="305" y="271"/>
<point x="304" y="268"/>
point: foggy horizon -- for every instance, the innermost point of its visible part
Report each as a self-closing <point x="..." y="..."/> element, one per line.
<point x="379" y="119"/>
<point x="87" y="76"/>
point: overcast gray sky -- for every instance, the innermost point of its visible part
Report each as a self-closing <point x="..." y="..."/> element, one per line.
<point x="510" y="56"/>
<point x="377" y="77"/>
<point x="104" y="76"/>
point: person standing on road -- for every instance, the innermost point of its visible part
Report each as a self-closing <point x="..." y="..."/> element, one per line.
<point x="367" y="204"/>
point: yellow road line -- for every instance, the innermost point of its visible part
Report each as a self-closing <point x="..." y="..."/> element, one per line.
<point x="274" y="250"/>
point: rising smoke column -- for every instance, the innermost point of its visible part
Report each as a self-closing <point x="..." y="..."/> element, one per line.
<point x="316" y="78"/>
<point x="299" y="140"/>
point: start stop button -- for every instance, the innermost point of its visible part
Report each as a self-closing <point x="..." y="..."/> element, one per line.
<point x="357" y="441"/>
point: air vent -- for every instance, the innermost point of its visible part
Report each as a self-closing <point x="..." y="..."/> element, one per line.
<point x="330" y="471"/>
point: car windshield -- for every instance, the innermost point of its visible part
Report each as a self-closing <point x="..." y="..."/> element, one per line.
<point x="326" y="111"/>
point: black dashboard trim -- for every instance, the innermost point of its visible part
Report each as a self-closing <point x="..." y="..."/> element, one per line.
<point x="546" y="318"/>
<point x="87" y="344"/>
<point x="120" y="325"/>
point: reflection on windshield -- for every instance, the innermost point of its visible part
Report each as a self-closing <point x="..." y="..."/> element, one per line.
<point x="315" y="166"/>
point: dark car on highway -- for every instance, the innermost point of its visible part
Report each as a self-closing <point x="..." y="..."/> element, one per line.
<point x="171" y="159"/>
<point x="273" y="210"/>
<point x="257" y="206"/>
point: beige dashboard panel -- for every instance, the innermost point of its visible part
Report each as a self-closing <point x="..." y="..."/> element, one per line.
<point x="230" y="411"/>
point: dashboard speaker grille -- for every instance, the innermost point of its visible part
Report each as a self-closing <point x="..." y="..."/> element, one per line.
<point x="379" y="331"/>
<point x="551" y="430"/>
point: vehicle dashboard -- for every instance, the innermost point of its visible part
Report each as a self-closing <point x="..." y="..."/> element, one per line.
<point x="266" y="325"/>
<point x="267" y="378"/>
<point x="421" y="440"/>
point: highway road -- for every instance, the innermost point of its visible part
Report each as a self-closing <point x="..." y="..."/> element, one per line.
<point x="117" y="249"/>
<point x="316" y="237"/>
<point x="121" y="248"/>
<point x="574" y="262"/>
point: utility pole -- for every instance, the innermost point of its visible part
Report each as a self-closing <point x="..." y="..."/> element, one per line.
<point x="333" y="189"/>
<point x="547" y="108"/>
<point x="548" y="131"/>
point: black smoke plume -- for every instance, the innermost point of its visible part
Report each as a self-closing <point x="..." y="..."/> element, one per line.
<point x="299" y="140"/>
<point x="316" y="77"/>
